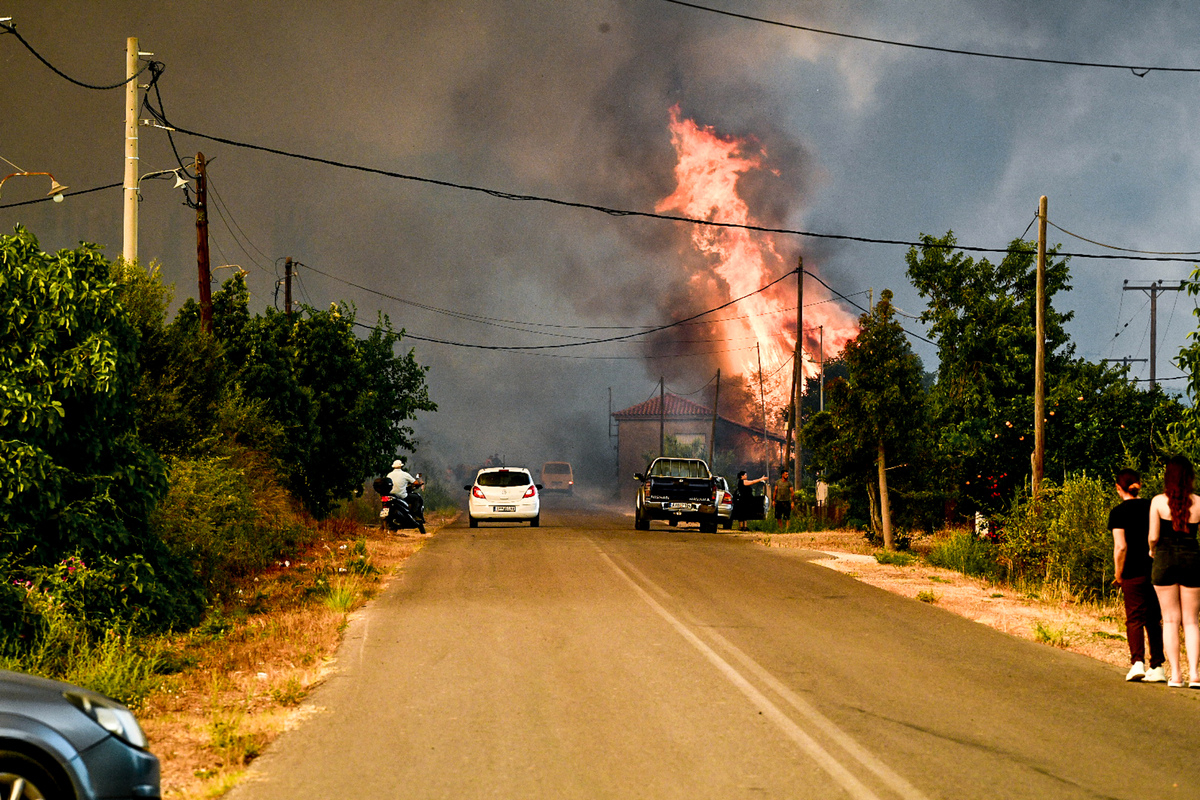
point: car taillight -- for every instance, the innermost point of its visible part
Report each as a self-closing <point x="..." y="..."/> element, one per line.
<point x="477" y="492"/>
<point x="530" y="492"/>
<point x="728" y="498"/>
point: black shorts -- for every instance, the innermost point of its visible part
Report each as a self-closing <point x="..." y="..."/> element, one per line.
<point x="783" y="509"/>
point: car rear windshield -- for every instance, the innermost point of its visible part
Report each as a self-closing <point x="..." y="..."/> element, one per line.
<point x="556" y="468"/>
<point x="678" y="468"/>
<point x="504" y="479"/>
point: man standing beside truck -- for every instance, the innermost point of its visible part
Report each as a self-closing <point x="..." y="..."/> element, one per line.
<point x="781" y="497"/>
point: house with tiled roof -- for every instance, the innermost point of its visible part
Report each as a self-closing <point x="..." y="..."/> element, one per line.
<point x="641" y="428"/>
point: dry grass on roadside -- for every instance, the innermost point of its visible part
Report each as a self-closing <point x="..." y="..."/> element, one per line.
<point x="243" y="674"/>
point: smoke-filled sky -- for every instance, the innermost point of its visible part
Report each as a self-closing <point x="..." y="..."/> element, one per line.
<point x="573" y="100"/>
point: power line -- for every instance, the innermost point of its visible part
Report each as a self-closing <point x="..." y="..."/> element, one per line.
<point x="102" y="87"/>
<point x="64" y="194"/>
<point x="1124" y="249"/>
<point x="616" y="212"/>
<point x="1139" y="71"/>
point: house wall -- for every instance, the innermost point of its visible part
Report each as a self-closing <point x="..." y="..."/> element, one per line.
<point x="638" y="437"/>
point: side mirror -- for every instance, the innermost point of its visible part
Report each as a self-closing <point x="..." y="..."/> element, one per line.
<point x="467" y="487"/>
<point x="538" y="485"/>
<point x="637" y="476"/>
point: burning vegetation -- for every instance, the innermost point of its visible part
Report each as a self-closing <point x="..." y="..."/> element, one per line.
<point x="751" y="342"/>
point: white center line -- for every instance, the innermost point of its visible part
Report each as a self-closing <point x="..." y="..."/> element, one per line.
<point x="798" y="735"/>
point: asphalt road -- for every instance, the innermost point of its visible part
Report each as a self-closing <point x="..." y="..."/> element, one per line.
<point x="583" y="659"/>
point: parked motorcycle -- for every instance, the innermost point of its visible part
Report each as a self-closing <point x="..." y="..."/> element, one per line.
<point x="401" y="512"/>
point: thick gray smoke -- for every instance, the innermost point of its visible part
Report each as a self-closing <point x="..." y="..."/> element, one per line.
<point x="572" y="100"/>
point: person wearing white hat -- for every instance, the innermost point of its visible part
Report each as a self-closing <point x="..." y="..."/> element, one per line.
<point x="400" y="479"/>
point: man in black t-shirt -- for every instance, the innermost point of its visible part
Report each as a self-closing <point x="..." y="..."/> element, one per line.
<point x="1130" y="526"/>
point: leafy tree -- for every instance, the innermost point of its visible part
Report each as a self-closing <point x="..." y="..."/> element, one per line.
<point x="877" y="413"/>
<point x="74" y="474"/>
<point x="982" y="316"/>
<point x="75" y="479"/>
<point x="343" y="403"/>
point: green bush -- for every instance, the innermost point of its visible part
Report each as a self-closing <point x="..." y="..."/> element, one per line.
<point x="966" y="553"/>
<point x="1062" y="538"/>
<point x="226" y="518"/>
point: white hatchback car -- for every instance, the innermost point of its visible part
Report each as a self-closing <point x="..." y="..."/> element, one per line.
<point x="504" y="493"/>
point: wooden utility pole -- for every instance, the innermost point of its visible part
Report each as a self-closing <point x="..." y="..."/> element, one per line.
<point x="662" y="417"/>
<point x="1153" y="288"/>
<point x="798" y="386"/>
<point x="1039" y="358"/>
<point x="287" y="286"/>
<point x="205" y="275"/>
<point x="821" y="391"/>
<point x="129" y="192"/>
<point x="762" y="399"/>
<point x="712" y="441"/>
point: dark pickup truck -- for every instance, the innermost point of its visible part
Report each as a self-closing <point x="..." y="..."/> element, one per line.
<point x="677" y="490"/>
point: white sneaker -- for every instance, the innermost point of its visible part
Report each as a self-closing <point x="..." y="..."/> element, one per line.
<point x="1136" y="672"/>
<point x="1155" y="675"/>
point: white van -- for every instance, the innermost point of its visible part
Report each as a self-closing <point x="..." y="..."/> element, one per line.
<point x="558" y="477"/>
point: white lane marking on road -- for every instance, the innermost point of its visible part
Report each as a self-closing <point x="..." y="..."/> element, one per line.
<point x="844" y="740"/>
<point x="823" y="757"/>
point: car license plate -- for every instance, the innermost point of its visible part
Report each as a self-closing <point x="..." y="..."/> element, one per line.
<point x="682" y="506"/>
<point x="383" y="513"/>
<point x="500" y="509"/>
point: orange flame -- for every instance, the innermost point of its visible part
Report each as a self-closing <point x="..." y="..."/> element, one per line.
<point x="706" y="175"/>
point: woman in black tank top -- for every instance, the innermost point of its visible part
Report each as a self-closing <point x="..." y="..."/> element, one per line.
<point x="1174" y="519"/>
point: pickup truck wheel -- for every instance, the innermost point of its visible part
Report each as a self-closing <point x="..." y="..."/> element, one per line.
<point x="727" y="524"/>
<point x="639" y="522"/>
<point x="708" y="526"/>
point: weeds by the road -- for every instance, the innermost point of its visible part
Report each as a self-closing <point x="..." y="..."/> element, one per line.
<point x="239" y="679"/>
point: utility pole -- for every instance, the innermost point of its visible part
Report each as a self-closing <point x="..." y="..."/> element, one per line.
<point x="762" y="399"/>
<point x="129" y="192"/>
<point x="1039" y="359"/>
<point x="821" y="393"/>
<point x="287" y="287"/>
<point x="662" y="417"/>
<point x="712" y="442"/>
<point x="205" y="276"/>
<point x="1153" y="288"/>
<point x="798" y="386"/>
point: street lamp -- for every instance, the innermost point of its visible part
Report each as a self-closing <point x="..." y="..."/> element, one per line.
<point x="180" y="181"/>
<point x="56" y="188"/>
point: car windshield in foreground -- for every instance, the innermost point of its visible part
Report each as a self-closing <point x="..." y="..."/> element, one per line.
<point x="678" y="468"/>
<point x="504" y="479"/>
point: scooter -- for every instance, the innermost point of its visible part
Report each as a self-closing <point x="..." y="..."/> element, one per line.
<point x="401" y="512"/>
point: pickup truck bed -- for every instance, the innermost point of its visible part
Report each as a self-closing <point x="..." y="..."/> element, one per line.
<point x="677" y="490"/>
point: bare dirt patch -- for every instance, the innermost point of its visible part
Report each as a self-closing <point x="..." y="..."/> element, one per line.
<point x="1094" y="630"/>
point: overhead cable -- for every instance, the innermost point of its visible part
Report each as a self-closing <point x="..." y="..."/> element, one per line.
<point x="1139" y="71"/>
<point x="8" y="28"/>
<point x="158" y="114"/>
<point x="1124" y="249"/>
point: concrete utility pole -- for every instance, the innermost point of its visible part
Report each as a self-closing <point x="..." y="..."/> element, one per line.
<point x="129" y="192"/>
<point x="1153" y="288"/>
<point x="798" y="386"/>
<point x="205" y="275"/>
<point x="1039" y="360"/>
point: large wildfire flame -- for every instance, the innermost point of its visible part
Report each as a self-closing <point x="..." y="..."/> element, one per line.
<point x="707" y="176"/>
